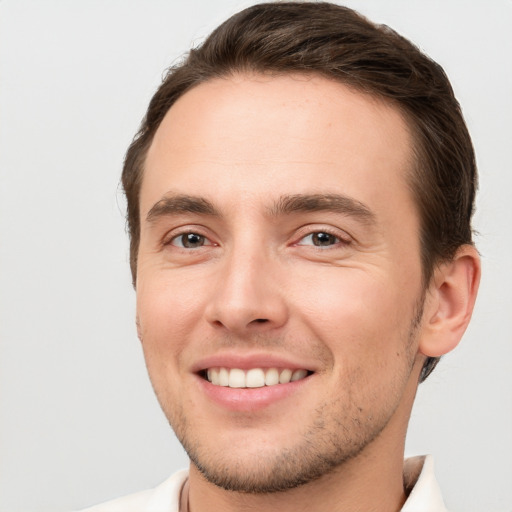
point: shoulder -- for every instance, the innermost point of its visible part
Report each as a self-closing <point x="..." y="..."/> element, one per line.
<point x="163" y="498"/>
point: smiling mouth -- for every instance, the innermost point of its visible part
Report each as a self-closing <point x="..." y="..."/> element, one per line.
<point x="252" y="378"/>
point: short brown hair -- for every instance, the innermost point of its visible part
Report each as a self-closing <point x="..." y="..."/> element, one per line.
<point x="340" y="44"/>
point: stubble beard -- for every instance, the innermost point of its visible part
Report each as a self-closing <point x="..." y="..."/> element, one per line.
<point x="318" y="453"/>
<point x="331" y="440"/>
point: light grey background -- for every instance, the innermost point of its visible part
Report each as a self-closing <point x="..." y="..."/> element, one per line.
<point x="78" y="420"/>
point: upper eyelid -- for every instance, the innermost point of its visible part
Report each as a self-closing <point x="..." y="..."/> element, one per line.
<point x="299" y="233"/>
<point x="323" y="232"/>
<point x="341" y="242"/>
<point x="308" y="230"/>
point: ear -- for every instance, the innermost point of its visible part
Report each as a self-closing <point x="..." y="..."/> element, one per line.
<point x="449" y="302"/>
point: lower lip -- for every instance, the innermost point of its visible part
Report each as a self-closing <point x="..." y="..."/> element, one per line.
<point x="250" y="399"/>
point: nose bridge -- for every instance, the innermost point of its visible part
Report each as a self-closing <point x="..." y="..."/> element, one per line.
<point x="248" y="295"/>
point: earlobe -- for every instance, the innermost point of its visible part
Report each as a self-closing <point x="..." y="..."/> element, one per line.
<point x="450" y="302"/>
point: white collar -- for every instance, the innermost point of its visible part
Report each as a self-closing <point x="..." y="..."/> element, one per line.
<point x="425" y="495"/>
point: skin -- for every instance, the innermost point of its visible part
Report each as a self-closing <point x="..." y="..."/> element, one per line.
<point x="353" y="311"/>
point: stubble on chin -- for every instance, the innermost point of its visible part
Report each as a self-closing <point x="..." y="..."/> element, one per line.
<point x="326" y="444"/>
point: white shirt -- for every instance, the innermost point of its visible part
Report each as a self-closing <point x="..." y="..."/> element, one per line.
<point x="425" y="496"/>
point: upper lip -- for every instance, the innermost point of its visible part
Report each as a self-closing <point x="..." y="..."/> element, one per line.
<point x="248" y="361"/>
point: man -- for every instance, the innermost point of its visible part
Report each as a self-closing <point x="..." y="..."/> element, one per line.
<point x="300" y="197"/>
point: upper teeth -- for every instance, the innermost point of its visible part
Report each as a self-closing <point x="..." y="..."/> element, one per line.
<point x="253" y="378"/>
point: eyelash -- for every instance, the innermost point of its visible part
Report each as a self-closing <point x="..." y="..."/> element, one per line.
<point x="168" y="240"/>
<point x="338" y="240"/>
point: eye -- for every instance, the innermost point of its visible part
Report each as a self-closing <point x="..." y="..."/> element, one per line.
<point x="320" y="239"/>
<point x="190" y="241"/>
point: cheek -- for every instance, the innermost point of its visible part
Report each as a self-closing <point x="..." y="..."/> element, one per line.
<point x="167" y="312"/>
<point x="360" y="317"/>
<point x="365" y="323"/>
<point x="167" y="300"/>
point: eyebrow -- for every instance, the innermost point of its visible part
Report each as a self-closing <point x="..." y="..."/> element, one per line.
<point x="174" y="204"/>
<point x="285" y="205"/>
<point x="323" y="202"/>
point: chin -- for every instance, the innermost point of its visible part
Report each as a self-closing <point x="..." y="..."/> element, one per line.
<point x="259" y="469"/>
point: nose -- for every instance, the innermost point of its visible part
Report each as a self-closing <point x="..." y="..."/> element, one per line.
<point x="249" y="296"/>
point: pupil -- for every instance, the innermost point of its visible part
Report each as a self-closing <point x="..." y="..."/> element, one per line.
<point x="323" y="239"/>
<point x="192" y="240"/>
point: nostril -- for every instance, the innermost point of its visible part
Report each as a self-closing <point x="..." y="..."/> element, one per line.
<point x="261" y="320"/>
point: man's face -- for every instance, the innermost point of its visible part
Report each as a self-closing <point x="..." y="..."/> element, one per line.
<point x="278" y="237"/>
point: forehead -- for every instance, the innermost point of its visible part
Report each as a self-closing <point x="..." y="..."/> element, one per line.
<point x="256" y="135"/>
